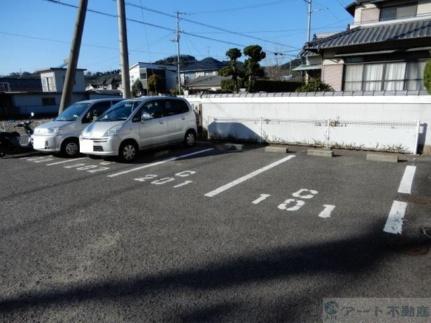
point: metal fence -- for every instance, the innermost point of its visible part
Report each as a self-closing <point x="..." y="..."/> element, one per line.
<point x="335" y="133"/>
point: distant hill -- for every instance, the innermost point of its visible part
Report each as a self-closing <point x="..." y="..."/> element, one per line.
<point x="185" y="60"/>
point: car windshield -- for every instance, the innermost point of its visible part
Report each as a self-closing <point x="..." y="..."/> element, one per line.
<point x="120" y="111"/>
<point x="73" y="112"/>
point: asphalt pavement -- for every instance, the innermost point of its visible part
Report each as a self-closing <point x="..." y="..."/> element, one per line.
<point x="208" y="235"/>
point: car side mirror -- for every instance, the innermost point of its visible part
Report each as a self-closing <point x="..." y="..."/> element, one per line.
<point x="146" y="116"/>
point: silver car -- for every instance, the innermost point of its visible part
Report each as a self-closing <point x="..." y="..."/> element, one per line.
<point x="62" y="134"/>
<point x="135" y="124"/>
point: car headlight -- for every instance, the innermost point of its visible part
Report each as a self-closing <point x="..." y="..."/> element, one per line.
<point x="54" y="131"/>
<point x="112" y="132"/>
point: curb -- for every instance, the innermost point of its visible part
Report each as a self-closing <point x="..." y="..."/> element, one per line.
<point x="381" y="157"/>
<point x="320" y="153"/>
<point x="276" y="149"/>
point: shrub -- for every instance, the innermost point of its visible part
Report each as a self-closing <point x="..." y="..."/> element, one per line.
<point x="427" y="76"/>
<point x="228" y="86"/>
<point x="315" y="86"/>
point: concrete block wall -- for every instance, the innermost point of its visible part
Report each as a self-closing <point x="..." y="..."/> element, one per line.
<point x="371" y="121"/>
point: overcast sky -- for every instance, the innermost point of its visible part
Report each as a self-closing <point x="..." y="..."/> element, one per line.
<point x="36" y="34"/>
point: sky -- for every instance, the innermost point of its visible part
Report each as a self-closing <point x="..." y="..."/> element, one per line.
<point x="36" y="34"/>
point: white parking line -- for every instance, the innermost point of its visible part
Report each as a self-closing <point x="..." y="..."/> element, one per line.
<point x="407" y="180"/>
<point x="394" y="223"/>
<point x="65" y="161"/>
<point x="183" y="184"/>
<point x="262" y="198"/>
<point x="160" y="162"/>
<point x="247" y="177"/>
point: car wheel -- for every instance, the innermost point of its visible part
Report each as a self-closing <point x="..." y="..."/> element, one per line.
<point x="128" y="152"/>
<point x="190" y="138"/>
<point x="70" y="148"/>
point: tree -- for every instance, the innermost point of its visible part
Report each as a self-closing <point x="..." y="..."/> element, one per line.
<point x="427" y="76"/>
<point x="154" y="83"/>
<point x="137" y="88"/>
<point x="253" y="70"/>
<point x="232" y="69"/>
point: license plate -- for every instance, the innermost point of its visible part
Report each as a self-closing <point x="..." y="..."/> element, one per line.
<point x="38" y="143"/>
<point x="86" y="145"/>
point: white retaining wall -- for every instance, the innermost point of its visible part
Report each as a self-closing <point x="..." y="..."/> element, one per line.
<point x="385" y="123"/>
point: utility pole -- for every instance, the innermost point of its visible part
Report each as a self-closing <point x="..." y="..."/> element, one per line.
<point x="124" y="52"/>
<point x="177" y="39"/>
<point x="309" y="15"/>
<point x="69" y="80"/>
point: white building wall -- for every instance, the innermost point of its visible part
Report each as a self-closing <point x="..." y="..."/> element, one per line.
<point x="424" y="7"/>
<point x="366" y="122"/>
<point x="53" y="81"/>
<point x="26" y="103"/>
<point x="135" y="74"/>
<point x="48" y="82"/>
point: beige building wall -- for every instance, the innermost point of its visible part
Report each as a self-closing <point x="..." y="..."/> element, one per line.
<point x="366" y="13"/>
<point x="332" y="73"/>
<point x="370" y="15"/>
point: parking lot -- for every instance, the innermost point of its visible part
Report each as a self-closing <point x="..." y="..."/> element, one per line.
<point x="208" y="234"/>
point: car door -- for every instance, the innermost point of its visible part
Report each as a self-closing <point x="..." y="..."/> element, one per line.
<point x="152" y="126"/>
<point x="175" y="119"/>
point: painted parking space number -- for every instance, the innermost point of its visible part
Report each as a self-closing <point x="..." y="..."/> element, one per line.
<point x="154" y="180"/>
<point x="298" y="200"/>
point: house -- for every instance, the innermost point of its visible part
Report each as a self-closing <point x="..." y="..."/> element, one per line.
<point x="385" y="48"/>
<point x="209" y="83"/>
<point x="53" y="79"/>
<point x="142" y="71"/>
<point x="207" y="67"/>
<point x="104" y="82"/>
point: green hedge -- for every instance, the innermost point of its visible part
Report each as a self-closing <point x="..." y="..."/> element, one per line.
<point x="427" y="76"/>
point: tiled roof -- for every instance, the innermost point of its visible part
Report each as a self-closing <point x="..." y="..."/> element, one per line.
<point x="207" y="81"/>
<point x="417" y="29"/>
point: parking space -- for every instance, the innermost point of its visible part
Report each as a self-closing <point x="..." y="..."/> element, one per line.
<point x="245" y="229"/>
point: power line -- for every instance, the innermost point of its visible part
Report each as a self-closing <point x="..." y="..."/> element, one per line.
<point x="279" y="31"/>
<point x="84" y="44"/>
<point x="209" y="26"/>
<point x="58" y="2"/>
<point x="257" y="5"/>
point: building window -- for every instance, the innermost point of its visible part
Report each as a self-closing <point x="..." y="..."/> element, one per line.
<point x="373" y="76"/>
<point x="401" y="12"/>
<point x="415" y="75"/>
<point x="48" y="101"/>
<point x="394" y="76"/>
<point x="51" y="84"/>
<point x="143" y="76"/>
<point x="395" y="73"/>
<point x="353" y="77"/>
